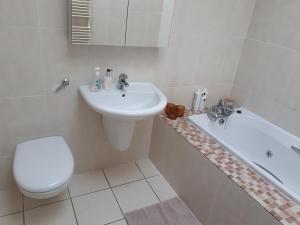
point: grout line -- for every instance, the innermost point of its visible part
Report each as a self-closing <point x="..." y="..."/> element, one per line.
<point x="110" y="187"/>
<point x="126" y="28"/>
<point x="13" y="213"/>
<point x="23" y="210"/>
<point x="153" y="176"/>
<point x="114" y="221"/>
<point x="114" y="194"/>
<point x="74" y="197"/>
<point x="278" y="45"/>
<point x="128" y="182"/>
<point x="46" y="204"/>
<point x="73" y="207"/>
<point x="77" y="196"/>
<point x="147" y="182"/>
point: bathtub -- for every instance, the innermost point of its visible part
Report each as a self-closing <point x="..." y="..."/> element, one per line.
<point x="268" y="149"/>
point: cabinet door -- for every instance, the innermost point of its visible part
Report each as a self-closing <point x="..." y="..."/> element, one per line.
<point x="109" y="22"/>
<point x="149" y="23"/>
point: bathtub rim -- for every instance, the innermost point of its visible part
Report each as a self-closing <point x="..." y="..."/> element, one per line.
<point x="226" y="147"/>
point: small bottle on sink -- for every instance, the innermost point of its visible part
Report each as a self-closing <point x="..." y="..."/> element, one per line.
<point x="107" y="83"/>
<point x="96" y="82"/>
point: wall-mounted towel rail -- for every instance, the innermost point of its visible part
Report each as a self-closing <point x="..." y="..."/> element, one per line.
<point x="81" y="16"/>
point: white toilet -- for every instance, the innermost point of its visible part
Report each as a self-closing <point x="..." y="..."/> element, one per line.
<point x="43" y="167"/>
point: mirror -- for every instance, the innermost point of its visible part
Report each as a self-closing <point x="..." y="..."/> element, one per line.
<point x="138" y="23"/>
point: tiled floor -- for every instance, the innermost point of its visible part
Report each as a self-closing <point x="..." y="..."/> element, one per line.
<point x="99" y="197"/>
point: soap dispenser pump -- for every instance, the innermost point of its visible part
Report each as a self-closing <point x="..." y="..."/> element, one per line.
<point x="107" y="83"/>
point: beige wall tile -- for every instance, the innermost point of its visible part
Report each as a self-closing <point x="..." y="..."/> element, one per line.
<point x="10" y="201"/>
<point x="18" y="12"/>
<point x="285" y="24"/>
<point x="53" y="13"/>
<point x="209" y="193"/>
<point x="6" y="171"/>
<point x="267" y="77"/>
<point x="15" y="219"/>
<point x="242" y="16"/>
<point x="262" y="19"/>
<point x="20" y="62"/>
<point x="194" y="180"/>
<point x="21" y="119"/>
<point x="36" y="55"/>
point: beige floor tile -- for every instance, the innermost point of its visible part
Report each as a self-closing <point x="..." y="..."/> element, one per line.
<point x="60" y="213"/>
<point x="135" y="195"/>
<point x="120" y="222"/>
<point x="98" y="208"/>
<point x="30" y="203"/>
<point x="14" y="219"/>
<point x="87" y="182"/>
<point x="162" y="188"/>
<point x="147" y="168"/>
<point x="10" y="201"/>
<point x="123" y="174"/>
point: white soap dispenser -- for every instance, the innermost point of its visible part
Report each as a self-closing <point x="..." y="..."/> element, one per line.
<point x="107" y="83"/>
<point x="196" y="100"/>
<point x="96" y="82"/>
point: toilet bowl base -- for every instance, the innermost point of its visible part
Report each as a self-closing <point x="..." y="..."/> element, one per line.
<point x="44" y="195"/>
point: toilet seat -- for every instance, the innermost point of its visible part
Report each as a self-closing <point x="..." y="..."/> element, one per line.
<point x="43" y="167"/>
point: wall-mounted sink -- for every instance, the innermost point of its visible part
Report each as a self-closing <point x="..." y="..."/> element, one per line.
<point x="120" y="109"/>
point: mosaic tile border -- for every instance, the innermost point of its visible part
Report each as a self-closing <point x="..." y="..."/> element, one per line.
<point x="276" y="203"/>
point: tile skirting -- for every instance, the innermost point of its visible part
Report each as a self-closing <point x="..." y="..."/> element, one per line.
<point x="269" y="197"/>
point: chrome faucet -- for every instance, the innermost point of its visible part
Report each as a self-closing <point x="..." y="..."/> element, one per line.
<point x="122" y="83"/>
<point x="220" y="111"/>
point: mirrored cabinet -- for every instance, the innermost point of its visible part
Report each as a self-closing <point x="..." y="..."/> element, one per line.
<point x="138" y="23"/>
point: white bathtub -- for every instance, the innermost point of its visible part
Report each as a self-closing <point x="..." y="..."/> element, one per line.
<point x="251" y="138"/>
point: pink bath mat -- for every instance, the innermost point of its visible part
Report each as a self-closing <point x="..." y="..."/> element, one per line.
<point x="171" y="212"/>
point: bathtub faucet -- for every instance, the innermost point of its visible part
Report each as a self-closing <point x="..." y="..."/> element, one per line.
<point x="219" y="111"/>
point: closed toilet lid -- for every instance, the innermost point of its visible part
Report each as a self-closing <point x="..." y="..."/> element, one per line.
<point x="43" y="165"/>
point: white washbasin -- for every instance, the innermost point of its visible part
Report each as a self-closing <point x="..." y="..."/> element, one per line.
<point x="120" y="109"/>
<point x="139" y="101"/>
